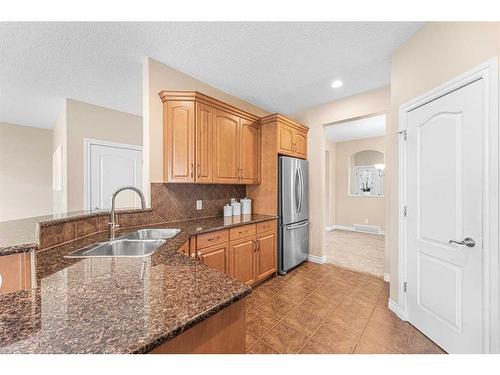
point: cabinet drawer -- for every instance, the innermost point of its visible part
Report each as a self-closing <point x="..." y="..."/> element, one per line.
<point x="242" y="231"/>
<point x="210" y="239"/>
<point x="266" y="226"/>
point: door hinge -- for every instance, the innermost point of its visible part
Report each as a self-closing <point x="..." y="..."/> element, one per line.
<point x="405" y="211"/>
<point x="404" y="134"/>
<point x="405" y="286"/>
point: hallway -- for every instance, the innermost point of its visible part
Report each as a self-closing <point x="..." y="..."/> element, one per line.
<point x="356" y="251"/>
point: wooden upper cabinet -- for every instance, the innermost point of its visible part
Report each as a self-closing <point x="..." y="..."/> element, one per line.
<point x="209" y="141"/>
<point x="300" y="143"/>
<point x="204" y="121"/>
<point x="226" y="144"/>
<point x="291" y="136"/>
<point x="249" y="152"/>
<point x="179" y="141"/>
<point x="285" y="139"/>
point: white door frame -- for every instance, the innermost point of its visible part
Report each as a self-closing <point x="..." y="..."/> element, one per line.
<point x="488" y="72"/>
<point x="87" y="144"/>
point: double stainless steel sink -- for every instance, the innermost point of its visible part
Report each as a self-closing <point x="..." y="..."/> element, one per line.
<point x="138" y="244"/>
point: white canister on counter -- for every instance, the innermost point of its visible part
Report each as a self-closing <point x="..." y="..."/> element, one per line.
<point x="246" y="206"/>
<point x="236" y="207"/>
<point x="228" y="210"/>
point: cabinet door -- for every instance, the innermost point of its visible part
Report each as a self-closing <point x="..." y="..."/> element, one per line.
<point x="266" y="255"/>
<point x="215" y="257"/>
<point x="300" y="144"/>
<point x="226" y="148"/>
<point x="179" y="141"/>
<point x="242" y="255"/>
<point x="285" y="139"/>
<point x="249" y="152"/>
<point x="204" y="119"/>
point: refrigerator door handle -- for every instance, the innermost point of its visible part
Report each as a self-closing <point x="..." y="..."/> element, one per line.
<point x="292" y="227"/>
<point x="301" y="189"/>
<point x="296" y="189"/>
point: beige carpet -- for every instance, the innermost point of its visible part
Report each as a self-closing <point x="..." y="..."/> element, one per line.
<point x="356" y="251"/>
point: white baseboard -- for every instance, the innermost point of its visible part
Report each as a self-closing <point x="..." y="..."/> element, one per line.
<point x="351" y="229"/>
<point x="396" y="309"/>
<point x="317" y="259"/>
<point x="343" y="227"/>
<point x="329" y="229"/>
<point x="387" y="277"/>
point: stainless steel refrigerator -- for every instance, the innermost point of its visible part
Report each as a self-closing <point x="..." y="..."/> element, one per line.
<point x="293" y="208"/>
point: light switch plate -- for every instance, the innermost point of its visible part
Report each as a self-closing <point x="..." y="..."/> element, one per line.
<point x="199" y="204"/>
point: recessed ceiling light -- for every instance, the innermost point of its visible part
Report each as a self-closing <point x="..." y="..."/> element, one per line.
<point x="337" y="83"/>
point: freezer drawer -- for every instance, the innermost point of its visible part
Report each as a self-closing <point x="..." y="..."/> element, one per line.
<point x="294" y="245"/>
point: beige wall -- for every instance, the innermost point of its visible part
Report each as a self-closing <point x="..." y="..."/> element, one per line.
<point x="158" y="77"/>
<point x="85" y="120"/>
<point x="331" y="178"/>
<point x="350" y="210"/>
<point x="60" y="198"/>
<point x="368" y="103"/>
<point x="435" y="54"/>
<point x="25" y="171"/>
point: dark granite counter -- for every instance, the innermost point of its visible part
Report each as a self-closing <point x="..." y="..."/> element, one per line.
<point x="117" y="305"/>
<point x="22" y="235"/>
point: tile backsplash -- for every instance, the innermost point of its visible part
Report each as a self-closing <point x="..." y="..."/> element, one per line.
<point x="173" y="202"/>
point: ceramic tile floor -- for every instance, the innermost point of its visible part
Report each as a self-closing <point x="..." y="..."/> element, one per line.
<point x="357" y="251"/>
<point x="328" y="309"/>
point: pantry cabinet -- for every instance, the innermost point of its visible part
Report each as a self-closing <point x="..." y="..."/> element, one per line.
<point x="208" y="141"/>
<point x="246" y="252"/>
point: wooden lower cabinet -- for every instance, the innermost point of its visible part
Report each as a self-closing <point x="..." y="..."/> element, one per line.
<point x="222" y="333"/>
<point x="215" y="257"/>
<point x="246" y="252"/>
<point x="242" y="253"/>
<point x="15" y="272"/>
<point x="265" y="255"/>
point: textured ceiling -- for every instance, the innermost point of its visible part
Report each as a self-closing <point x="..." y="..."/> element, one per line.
<point x="357" y="129"/>
<point x="281" y="67"/>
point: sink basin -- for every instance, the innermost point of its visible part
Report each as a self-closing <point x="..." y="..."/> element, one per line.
<point x="151" y="234"/>
<point x="118" y="248"/>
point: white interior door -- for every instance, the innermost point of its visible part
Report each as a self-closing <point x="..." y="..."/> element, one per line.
<point x="444" y="182"/>
<point x="111" y="167"/>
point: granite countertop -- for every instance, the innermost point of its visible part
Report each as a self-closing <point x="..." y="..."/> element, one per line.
<point x="118" y="305"/>
<point x="18" y="236"/>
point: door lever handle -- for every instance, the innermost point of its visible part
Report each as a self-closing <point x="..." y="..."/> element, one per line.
<point x="469" y="242"/>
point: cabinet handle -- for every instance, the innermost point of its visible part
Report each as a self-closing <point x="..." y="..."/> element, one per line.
<point x="258" y="245"/>
<point x="192" y="166"/>
<point x="199" y="254"/>
<point x="254" y="245"/>
<point x="213" y="238"/>
<point x="198" y="172"/>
